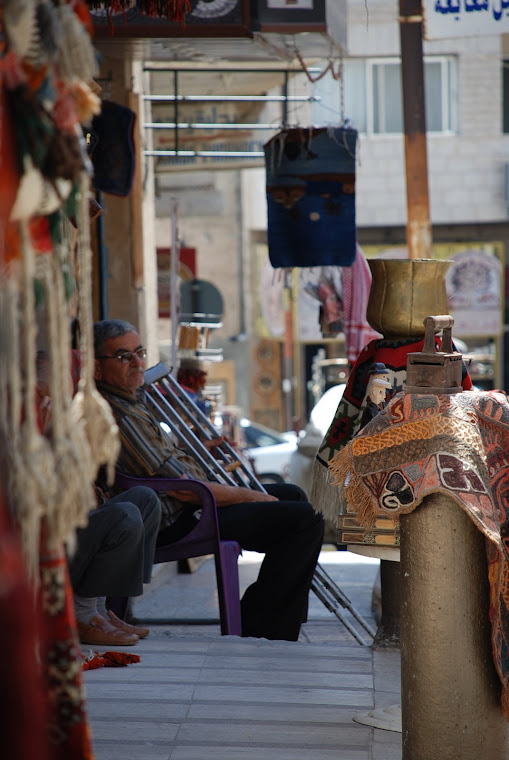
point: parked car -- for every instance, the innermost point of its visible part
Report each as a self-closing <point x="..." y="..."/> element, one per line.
<point x="301" y="461"/>
<point x="268" y="451"/>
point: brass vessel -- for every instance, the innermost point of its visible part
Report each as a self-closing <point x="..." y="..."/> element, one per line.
<point x="403" y="293"/>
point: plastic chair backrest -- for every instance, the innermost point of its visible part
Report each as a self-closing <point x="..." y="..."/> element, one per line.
<point x="202" y="539"/>
<point x="204" y="536"/>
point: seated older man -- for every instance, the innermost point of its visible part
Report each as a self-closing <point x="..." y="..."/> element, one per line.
<point x="282" y="524"/>
<point x="114" y="552"/>
<point x="114" y="557"/>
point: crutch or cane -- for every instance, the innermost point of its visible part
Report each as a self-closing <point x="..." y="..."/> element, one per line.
<point x="173" y="406"/>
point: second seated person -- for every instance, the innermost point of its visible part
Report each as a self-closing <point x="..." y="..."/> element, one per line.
<point x="281" y="524"/>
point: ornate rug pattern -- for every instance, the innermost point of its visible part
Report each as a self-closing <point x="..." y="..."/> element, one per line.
<point x="459" y="445"/>
<point x="346" y="422"/>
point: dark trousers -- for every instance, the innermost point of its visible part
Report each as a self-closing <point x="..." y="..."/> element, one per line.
<point x="115" y="551"/>
<point x="290" y="533"/>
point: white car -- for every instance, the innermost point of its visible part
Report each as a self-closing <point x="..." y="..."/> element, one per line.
<point x="268" y="451"/>
<point x="322" y="414"/>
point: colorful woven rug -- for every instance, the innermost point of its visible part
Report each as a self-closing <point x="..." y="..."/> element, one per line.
<point x="23" y="716"/>
<point x="458" y="445"/>
<point x="347" y="419"/>
<point x="61" y="664"/>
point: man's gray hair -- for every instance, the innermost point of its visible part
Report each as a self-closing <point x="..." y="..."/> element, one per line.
<point x="109" y="328"/>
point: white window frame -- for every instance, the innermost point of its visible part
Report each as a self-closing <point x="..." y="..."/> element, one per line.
<point x="449" y="94"/>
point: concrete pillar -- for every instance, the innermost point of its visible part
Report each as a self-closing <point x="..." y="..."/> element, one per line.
<point x="450" y="689"/>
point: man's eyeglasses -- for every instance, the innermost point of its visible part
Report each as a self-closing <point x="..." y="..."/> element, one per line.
<point x="127" y="356"/>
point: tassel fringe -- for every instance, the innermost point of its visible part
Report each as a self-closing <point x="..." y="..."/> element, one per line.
<point x="342" y="475"/>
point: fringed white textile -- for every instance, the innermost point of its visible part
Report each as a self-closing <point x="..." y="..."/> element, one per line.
<point x="49" y="475"/>
<point x="74" y="469"/>
<point x="324" y="496"/>
<point x="31" y="472"/>
<point x="76" y="56"/>
<point x="89" y="410"/>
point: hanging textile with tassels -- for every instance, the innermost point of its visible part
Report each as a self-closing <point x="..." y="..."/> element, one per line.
<point x="47" y="62"/>
<point x="311" y="197"/>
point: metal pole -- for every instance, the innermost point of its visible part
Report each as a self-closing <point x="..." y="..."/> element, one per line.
<point x="176" y="109"/>
<point x="174" y="258"/>
<point x="285" y="102"/>
<point x="449" y="686"/>
<point x="419" y="236"/>
<point x="388" y="631"/>
<point x="288" y="346"/>
<point x="102" y="254"/>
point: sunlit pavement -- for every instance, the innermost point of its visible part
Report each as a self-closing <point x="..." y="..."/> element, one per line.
<point x="197" y="695"/>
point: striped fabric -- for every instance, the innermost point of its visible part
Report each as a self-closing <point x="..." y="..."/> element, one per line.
<point x="146" y="450"/>
<point x="356" y="287"/>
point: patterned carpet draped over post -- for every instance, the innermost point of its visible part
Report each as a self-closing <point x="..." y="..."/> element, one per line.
<point x="458" y="445"/>
<point x="393" y="353"/>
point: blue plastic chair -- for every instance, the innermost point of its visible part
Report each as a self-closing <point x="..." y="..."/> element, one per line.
<point x="202" y="539"/>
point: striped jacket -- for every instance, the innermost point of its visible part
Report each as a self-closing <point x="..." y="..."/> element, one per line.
<point x="146" y="450"/>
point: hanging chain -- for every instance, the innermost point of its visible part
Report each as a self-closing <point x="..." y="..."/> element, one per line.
<point x="341" y="79"/>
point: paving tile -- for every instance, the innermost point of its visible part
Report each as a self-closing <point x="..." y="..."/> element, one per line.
<point x="381" y="736"/>
<point x="167" y="642"/>
<point x="154" y="690"/>
<point x="304" y="663"/>
<point x="386" y="664"/>
<point x="360" y="698"/>
<point x="392" y="751"/>
<point x="167" y="658"/>
<point x="273" y="677"/>
<point x="155" y="731"/>
<point x="267" y="648"/>
<point x="266" y="734"/>
<point x="275" y="753"/>
<point x="134" y="709"/>
<point x="132" y="751"/>
<point x="386" y="699"/>
<point x="138" y="674"/>
<point x="293" y="714"/>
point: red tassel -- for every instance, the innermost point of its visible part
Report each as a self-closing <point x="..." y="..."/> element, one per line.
<point x="94" y="660"/>
<point x="119" y="659"/>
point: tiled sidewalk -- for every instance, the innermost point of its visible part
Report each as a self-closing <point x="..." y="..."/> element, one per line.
<point x="225" y="698"/>
<point x="198" y="696"/>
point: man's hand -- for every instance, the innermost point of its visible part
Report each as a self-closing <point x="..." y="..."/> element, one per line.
<point x="213" y="442"/>
<point x="185" y="496"/>
<point x="227" y="495"/>
<point x="224" y="495"/>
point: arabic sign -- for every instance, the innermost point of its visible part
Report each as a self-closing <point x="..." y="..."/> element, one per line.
<point x="465" y="18"/>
